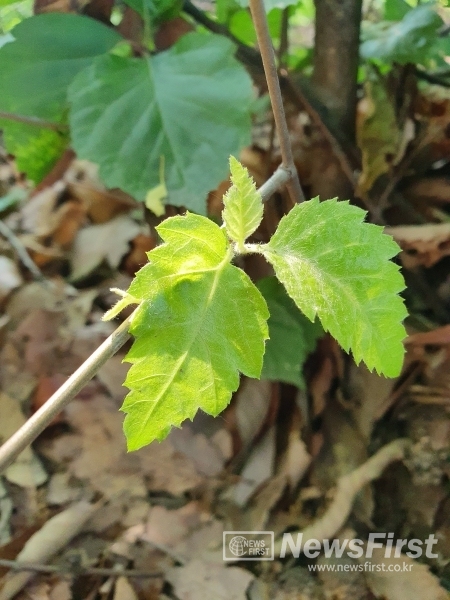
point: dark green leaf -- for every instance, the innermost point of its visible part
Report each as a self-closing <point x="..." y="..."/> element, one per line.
<point x="35" y="71"/>
<point x="292" y="337"/>
<point x="407" y="41"/>
<point x="188" y="108"/>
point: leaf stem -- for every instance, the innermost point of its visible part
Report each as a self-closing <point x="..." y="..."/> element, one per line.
<point x="273" y="84"/>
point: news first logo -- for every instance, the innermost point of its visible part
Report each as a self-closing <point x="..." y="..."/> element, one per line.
<point x="248" y="545"/>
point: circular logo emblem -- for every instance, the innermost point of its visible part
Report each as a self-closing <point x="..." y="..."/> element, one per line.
<point x="237" y="546"/>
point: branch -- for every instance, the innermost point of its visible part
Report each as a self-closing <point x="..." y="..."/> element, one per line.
<point x="22" y="253"/>
<point x="76" y="382"/>
<point x="54" y="405"/>
<point x="336" y="58"/>
<point x="76" y="570"/>
<point x="273" y="84"/>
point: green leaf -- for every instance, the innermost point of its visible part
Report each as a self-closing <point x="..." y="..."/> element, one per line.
<point x="35" y="71"/>
<point x="337" y="267"/>
<point x="243" y="209"/>
<point x="407" y="41"/>
<point x="395" y="10"/>
<point x="190" y="105"/>
<point x="292" y="337"/>
<point x="200" y="322"/>
<point x="156" y="10"/>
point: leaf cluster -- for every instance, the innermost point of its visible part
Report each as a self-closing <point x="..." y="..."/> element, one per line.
<point x="200" y="321"/>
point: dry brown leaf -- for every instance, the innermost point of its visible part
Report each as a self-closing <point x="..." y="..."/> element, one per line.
<point x="202" y="581"/>
<point x="112" y="375"/>
<point x="431" y="189"/>
<point x="258" y="468"/>
<point x="123" y="590"/>
<point x="108" y="241"/>
<point x="370" y="396"/>
<point x="378" y="134"/>
<point x="251" y="405"/>
<point x="101" y="205"/>
<point x="48" y="541"/>
<point x="205" y="454"/>
<point x="422" y="244"/>
<point x="436" y="337"/>
<point x="417" y="583"/>
<point x="26" y="470"/>
<point x="10" y="277"/>
<point x="98" y="454"/>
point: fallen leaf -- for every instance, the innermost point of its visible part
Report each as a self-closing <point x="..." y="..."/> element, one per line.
<point x="26" y="470"/>
<point x="416" y="583"/>
<point x="252" y="403"/>
<point x="10" y="277"/>
<point x="257" y="469"/>
<point x="48" y="541"/>
<point x="123" y="590"/>
<point x="108" y="241"/>
<point x="422" y="244"/>
<point x="202" y="581"/>
<point x="378" y="135"/>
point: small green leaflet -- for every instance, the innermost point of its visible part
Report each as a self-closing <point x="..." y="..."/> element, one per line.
<point x="200" y="322"/>
<point x="292" y="337"/>
<point x="190" y="105"/>
<point x="337" y="267"/>
<point x="243" y="205"/>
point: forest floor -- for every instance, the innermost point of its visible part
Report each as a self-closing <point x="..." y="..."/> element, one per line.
<point x="351" y="454"/>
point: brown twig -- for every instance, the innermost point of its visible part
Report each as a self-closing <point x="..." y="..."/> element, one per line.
<point x="54" y="405"/>
<point x="22" y="253"/>
<point x="78" y="571"/>
<point x="273" y="84"/>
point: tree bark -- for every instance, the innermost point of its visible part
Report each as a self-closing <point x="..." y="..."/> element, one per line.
<point x="336" y="57"/>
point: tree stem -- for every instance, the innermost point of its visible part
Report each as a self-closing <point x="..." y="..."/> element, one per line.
<point x="336" y="57"/>
<point x="273" y="84"/>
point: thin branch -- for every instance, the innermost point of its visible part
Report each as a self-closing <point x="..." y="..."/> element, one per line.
<point x="54" y="405"/>
<point x="35" y="121"/>
<point x="275" y="182"/>
<point x="76" y="571"/>
<point x="76" y="382"/>
<point x="273" y="84"/>
<point x="300" y="94"/>
<point x="21" y="251"/>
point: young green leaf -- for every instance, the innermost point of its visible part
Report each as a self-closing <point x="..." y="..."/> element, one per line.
<point x="189" y="104"/>
<point x="291" y="335"/>
<point x="337" y="267"/>
<point x="201" y="321"/>
<point x="243" y="209"/>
